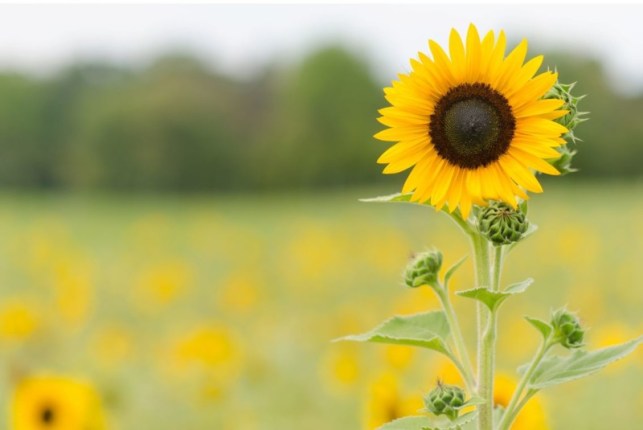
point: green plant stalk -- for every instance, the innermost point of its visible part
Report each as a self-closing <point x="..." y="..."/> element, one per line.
<point x="487" y="349"/>
<point x="464" y="364"/>
<point x="515" y="404"/>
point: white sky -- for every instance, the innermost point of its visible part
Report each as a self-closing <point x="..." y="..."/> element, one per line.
<point x="240" y="38"/>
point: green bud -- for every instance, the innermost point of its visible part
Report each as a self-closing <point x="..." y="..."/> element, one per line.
<point x="574" y="116"/>
<point x="564" y="163"/>
<point x="445" y="400"/>
<point x="501" y="224"/>
<point x="570" y="121"/>
<point x="567" y="329"/>
<point x="423" y="269"/>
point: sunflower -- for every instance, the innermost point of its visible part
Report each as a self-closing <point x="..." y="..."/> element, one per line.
<point x="473" y="124"/>
<point x="47" y="402"/>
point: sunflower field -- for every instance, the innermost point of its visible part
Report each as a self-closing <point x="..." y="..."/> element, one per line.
<point x="219" y="312"/>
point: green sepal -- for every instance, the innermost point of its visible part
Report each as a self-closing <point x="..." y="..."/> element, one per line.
<point x="544" y="328"/>
<point x="452" y="271"/>
<point x="557" y="370"/>
<point x="493" y="299"/>
<point x="426" y="330"/>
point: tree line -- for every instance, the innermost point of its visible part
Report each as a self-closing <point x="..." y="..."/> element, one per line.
<point x="179" y="125"/>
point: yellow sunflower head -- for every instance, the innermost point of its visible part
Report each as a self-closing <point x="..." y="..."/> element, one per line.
<point x="48" y="402"/>
<point x="472" y="124"/>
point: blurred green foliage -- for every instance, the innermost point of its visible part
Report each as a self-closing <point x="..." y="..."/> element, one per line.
<point x="177" y="125"/>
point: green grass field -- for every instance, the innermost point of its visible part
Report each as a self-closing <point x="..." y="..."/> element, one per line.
<point x="217" y="312"/>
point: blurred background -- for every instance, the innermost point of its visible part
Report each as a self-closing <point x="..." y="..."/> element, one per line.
<point x="180" y="225"/>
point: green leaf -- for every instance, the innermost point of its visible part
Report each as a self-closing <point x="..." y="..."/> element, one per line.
<point x="397" y="197"/>
<point x="557" y="370"/>
<point x="452" y="270"/>
<point x="445" y="424"/>
<point x="544" y="328"/>
<point x="428" y="423"/>
<point x="493" y="299"/>
<point x="407" y="423"/>
<point x="427" y="330"/>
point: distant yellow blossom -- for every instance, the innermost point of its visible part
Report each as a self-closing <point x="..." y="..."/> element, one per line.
<point x="50" y="402"/>
<point x="386" y="402"/>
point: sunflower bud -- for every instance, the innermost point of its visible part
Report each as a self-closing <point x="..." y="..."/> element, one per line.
<point x="445" y="400"/>
<point x="570" y="121"/>
<point x="574" y="116"/>
<point x="501" y="224"/>
<point x="567" y="329"/>
<point x="423" y="269"/>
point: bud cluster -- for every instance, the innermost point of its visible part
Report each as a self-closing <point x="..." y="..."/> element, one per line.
<point x="567" y="329"/>
<point x="570" y="121"/>
<point x="445" y="400"/>
<point x="423" y="269"/>
<point x="501" y="224"/>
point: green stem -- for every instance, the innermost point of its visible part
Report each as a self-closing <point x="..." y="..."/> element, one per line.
<point x="488" y="350"/>
<point x="464" y="364"/>
<point x="483" y="279"/>
<point x="515" y="404"/>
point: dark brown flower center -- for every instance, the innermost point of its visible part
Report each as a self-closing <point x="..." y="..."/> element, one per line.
<point x="47" y="415"/>
<point x="472" y="125"/>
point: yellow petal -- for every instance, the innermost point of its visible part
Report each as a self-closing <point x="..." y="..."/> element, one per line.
<point x="532" y="161"/>
<point x="518" y="80"/>
<point x="533" y="89"/>
<point x="538" y="107"/>
<point x="511" y="65"/>
<point x="442" y="63"/>
<point x="539" y="126"/>
<point x="473" y="54"/>
<point x="542" y="151"/>
<point x="419" y="172"/>
<point x="458" y="61"/>
<point x="496" y="57"/>
<point x="402" y="149"/>
<point x="397" y="134"/>
<point x="519" y="173"/>
<point x="486" y="49"/>
<point x="455" y="191"/>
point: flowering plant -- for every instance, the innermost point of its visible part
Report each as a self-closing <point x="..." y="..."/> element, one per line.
<point x="476" y="127"/>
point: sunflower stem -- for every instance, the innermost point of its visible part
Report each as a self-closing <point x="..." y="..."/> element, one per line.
<point x="487" y="345"/>
<point x="464" y="362"/>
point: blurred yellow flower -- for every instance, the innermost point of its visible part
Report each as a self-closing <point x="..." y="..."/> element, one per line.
<point x="386" y="402"/>
<point x="18" y="320"/>
<point x="340" y="368"/>
<point x="240" y="292"/>
<point x="111" y="345"/>
<point x="208" y="346"/>
<point x="161" y="284"/>
<point x="532" y="416"/>
<point x="73" y="290"/>
<point x="50" y="402"/>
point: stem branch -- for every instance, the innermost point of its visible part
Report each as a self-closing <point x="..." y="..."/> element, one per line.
<point x="460" y="346"/>
<point x="516" y="404"/>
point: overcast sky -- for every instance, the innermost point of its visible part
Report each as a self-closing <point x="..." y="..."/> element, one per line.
<point x="240" y="38"/>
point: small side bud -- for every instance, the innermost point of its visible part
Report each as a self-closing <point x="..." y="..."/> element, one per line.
<point x="445" y="400"/>
<point x="567" y="329"/>
<point x="571" y="120"/>
<point x="501" y="224"/>
<point x="423" y="269"/>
